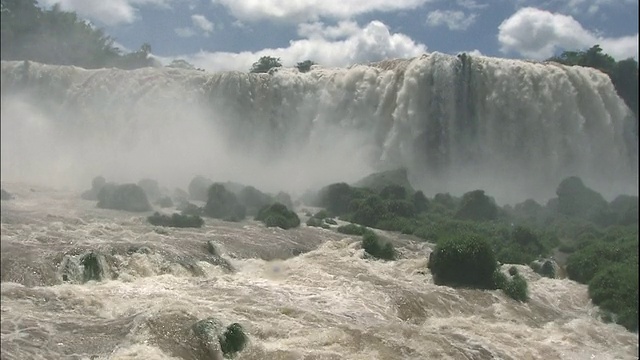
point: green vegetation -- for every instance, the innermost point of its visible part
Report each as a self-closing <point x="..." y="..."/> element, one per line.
<point x="377" y="247"/>
<point x="464" y="260"/>
<point x="58" y="37"/>
<point x="223" y="204"/>
<point x="516" y="287"/>
<point x="352" y="229"/>
<point x="233" y="340"/>
<point x="472" y="235"/>
<point x="615" y="289"/>
<point x="265" y="64"/>
<point x="623" y="74"/>
<point x="278" y="215"/>
<point x="176" y="220"/>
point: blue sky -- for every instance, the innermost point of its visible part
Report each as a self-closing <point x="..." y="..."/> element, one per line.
<point x="232" y="34"/>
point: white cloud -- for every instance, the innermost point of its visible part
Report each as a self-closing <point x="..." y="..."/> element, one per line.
<point x="312" y="10"/>
<point x="184" y="32"/>
<point x="202" y="23"/>
<point x="372" y="42"/>
<point x="454" y="20"/>
<point x="344" y="29"/>
<point x="539" y="34"/>
<point x="471" y="4"/>
<point x="111" y="12"/>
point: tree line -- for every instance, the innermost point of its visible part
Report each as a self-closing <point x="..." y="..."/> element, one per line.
<point x="28" y="32"/>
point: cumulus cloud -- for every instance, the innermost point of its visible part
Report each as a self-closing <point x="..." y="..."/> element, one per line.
<point x="202" y="23"/>
<point x="539" y="34"/>
<point x="112" y="12"/>
<point x="184" y="32"/>
<point x="311" y="10"/>
<point x="454" y="20"/>
<point x="372" y="42"/>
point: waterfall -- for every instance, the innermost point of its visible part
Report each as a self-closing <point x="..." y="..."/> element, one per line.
<point x="457" y="123"/>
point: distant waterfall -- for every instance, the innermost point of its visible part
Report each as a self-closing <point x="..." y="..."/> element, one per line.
<point x="458" y="123"/>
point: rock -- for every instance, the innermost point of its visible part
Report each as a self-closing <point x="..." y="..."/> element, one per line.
<point x="380" y="180"/>
<point x="165" y="202"/>
<point x="199" y="188"/>
<point x="546" y="267"/>
<point x="96" y="185"/>
<point x="151" y="189"/>
<point x="5" y="195"/>
<point x="219" y="341"/>
<point x="127" y="197"/>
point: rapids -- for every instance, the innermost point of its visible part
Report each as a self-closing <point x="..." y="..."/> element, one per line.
<point x="305" y="293"/>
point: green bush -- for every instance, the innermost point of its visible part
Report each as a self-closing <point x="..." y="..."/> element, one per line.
<point x="393" y="192"/>
<point x="165" y="202"/>
<point x="577" y="200"/>
<point x="322" y="214"/>
<point x="615" y="289"/>
<point x="277" y="215"/>
<point x="584" y="264"/>
<point x="233" y="340"/>
<point x="420" y="202"/>
<point x="464" y="260"/>
<point x="223" y="204"/>
<point x="513" y="270"/>
<point x="517" y="288"/>
<point x="176" y="220"/>
<point x="378" y="248"/>
<point x="477" y="206"/>
<point x="352" y="229"/>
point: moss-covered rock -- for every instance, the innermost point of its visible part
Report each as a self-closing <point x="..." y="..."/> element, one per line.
<point x="199" y="188"/>
<point x="278" y="215"/>
<point x="463" y="260"/>
<point x="477" y="206"/>
<point x="96" y="185"/>
<point x="176" y="220"/>
<point x="223" y="204"/>
<point x="377" y="247"/>
<point x="151" y="189"/>
<point x="127" y="197"/>
<point x="217" y="340"/>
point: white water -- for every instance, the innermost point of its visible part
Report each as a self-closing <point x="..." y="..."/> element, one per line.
<point x="328" y="303"/>
<point x="512" y="128"/>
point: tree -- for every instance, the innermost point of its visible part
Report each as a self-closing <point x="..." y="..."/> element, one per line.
<point x="265" y="64"/>
<point x="305" y="66"/>
<point x="623" y="74"/>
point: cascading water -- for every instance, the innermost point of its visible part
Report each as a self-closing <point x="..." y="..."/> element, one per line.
<point x="510" y="127"/>
<point x="81" y="282"/>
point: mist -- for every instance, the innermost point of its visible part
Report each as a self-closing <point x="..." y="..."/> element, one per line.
<point x="512" y="128"/>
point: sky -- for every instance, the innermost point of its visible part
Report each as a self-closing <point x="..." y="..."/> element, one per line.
<point x="219" y="35"/>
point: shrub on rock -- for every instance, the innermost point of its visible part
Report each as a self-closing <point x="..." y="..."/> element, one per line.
<point x="615" y="289"/>
<point x="475" y="205"/>
<point x="377" y="247"/>
<point x="223" y="204"/>
<point x="165" y="202"/>
<point x="278" y="215"/>
<point x="463" y="260"/>
<point x="199" y="188"/>
<point x="151" y="188"/>
<point x="96" y="185"/>
<point x="127" y="197"/>
<point x="176" y="220"/>
<point x="253" y="199"/>
<point x="517" y="288"/>
<point x="352" y="229"/>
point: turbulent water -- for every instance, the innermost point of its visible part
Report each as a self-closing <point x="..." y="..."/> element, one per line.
<point x="512" y="128"/>
<point x="306" y="293"/>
